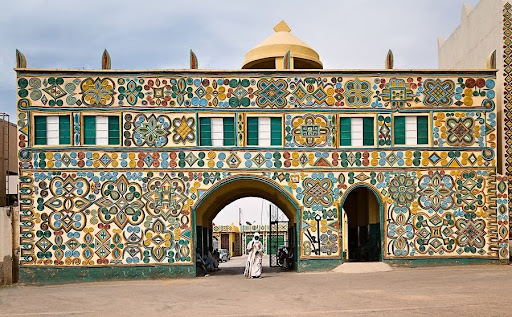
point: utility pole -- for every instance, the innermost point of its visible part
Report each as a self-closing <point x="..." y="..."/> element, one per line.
<point x="239" y="217"/>
<point x="261" y="214"/>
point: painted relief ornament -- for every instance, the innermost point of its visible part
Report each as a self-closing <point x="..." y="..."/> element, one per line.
<point x="434" y="234"/>
<point x="398" y="93"/>
<point x="358" y="93"/>
<point x="470" y="191"/>
<point x="471" y="234"/>
<point x="131" y="93"/>
<point x="400" y="230"/>
<point x="402" y="189"/>
<point x="436" y="191"/>
<point x="165" y="196"/>
<point x="318" y="191"/>
<point x="461" y="131"/>
<point x="272" y="93"/>
<point x="184" y="130"/>
<point x="68" y="203"/>
<point x="152" y="131"/>
<point x="438" y="92"/>
<point x="158" y="240"/>
<point x="310" y="130"/>
<point x="98" y="92"/>
<point x="120" y="203"/>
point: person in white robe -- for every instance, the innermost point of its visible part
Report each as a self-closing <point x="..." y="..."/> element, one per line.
<point x="253" y="267"/>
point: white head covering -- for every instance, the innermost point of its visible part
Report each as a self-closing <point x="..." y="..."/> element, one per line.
<point x="257" y="234"/>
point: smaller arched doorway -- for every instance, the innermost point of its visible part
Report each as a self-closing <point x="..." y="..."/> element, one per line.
<point x="362" y="230"/>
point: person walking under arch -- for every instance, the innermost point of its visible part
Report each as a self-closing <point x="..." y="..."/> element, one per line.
<point x="253" y="267"/>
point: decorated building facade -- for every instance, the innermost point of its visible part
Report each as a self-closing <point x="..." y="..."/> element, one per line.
<point x="121" y="169"/>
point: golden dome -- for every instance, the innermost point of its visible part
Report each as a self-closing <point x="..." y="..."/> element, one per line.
<point x="269" y="53"/>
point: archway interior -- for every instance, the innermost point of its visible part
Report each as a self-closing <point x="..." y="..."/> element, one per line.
<point x="221" y="196"/>
<point x="362" y="237"/>
<point x="235" y="225"/>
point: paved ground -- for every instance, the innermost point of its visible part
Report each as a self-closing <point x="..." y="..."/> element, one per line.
<point x="457" y="291"/>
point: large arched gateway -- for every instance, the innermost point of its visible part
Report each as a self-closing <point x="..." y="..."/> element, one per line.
<point x="240" y="186"/>
<point x="122" y="170"/>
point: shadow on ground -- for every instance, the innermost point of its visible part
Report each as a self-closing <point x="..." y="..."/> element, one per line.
<point x="236" y="266"/>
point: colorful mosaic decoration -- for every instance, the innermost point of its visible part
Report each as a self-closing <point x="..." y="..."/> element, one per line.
<point x="175" y="91"/>
<point x="136" y="203"/>
<point x="507" y="91"/>
<point x="311" y="130"/>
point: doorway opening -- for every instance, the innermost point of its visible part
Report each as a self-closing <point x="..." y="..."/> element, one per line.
<point x="362" y="233"/>
<point x="228" y="216"/>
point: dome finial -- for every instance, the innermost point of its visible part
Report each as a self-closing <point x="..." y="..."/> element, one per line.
<point x="282" y="27"/>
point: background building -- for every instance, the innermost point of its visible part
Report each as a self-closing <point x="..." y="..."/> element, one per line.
<point x="9" y="236"/>
<point x="235" y="239"/>
<point x="483" y="39"/>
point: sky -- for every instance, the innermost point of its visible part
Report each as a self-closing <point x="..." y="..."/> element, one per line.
<point x="159" y="34"/>
<point x="254" y="210"/>
<point x="150" y="34"/>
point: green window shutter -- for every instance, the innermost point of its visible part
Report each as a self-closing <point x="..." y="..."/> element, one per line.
<point x="399" y="129"/>
<point x="422" y="131"/>
<point x="345" y="134"/>
<point x="64" y="130"/>
<point x="276" y="131"/>
<point x="252" y="131"/>
<point x="89" y="130"/>
<point x="113" y="130"/>
<point x="368" y="133"/>
<point x="40" y="130"/>
<point x="229" y="131"/>
<point x="205" y="132"/>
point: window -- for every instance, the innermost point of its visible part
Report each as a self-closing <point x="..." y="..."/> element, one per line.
<point x="357" y="131"/>
<point x="217" y="132"/>
<point x="205" y="131"/>
<point x="52" y="130"/>
<point x="264" y="131"/>
<point x="113" y="131"/>
<point x="101" y="130"/>
<point x="411" y="130"/>
<point x="40" y="130"/>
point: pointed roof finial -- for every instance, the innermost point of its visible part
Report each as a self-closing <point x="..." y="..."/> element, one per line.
<point x="390" y="61"/>
<point x="106" y="62"/>
<point x="287" y="60"/>
<point x="491" y="60"/>
<point x="194" y="64"/>
<point x="282" y="27"/>
<point x="21" y="61"/>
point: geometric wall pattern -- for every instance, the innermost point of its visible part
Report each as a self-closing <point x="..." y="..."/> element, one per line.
<point x="133" y="204"/>
<point x="507" y="92"/>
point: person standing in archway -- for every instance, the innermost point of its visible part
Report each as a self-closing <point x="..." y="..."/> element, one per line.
<point x="253" y="267"/>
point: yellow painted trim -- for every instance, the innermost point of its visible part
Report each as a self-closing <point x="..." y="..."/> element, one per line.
<point x="217" y="115"/>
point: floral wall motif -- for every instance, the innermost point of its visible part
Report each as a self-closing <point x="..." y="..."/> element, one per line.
<point x="310" y="130"/>
<point x="159" y="130"/>
<point x="133" y="204"/>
